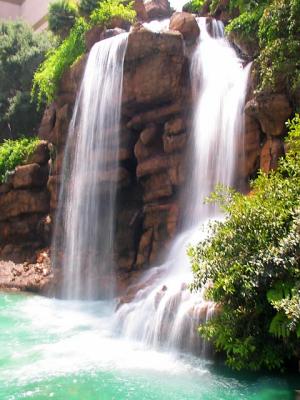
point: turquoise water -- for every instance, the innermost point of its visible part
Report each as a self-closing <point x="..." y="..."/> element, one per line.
<point x="52" y="349"/>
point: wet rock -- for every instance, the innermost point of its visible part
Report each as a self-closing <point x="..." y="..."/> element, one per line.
<point x="157" y="164"/>
<point x="153" y="68"/>
<point x="271" y="152"/>
<point x="174" y="143"/>
<point x="186" y="24"/>
<point x="148" y="135"/>
<point x="174" y="126"/>
<point x="156" y="187"/>
<point x="40" y="155"/>
<point x="160" y="115"/>
<point x="272" y="112"/>
<point x="27" y="276"/>
<point x="29" y="176"/>
<point x="93" y="36"/>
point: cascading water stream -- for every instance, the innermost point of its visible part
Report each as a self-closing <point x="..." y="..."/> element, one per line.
<point x="90" y="173"/>
<point x="163" y="310"/>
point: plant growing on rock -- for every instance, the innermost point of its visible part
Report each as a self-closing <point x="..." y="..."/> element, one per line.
<point x="274" y="25"/>
<point x="193" y="6"/>
<point x="14" y="153"/>
<point x="86" y="7"/>
<point x="252" y="258"/>
<point x="47" y="77"/>
<point x="109" y="10"/>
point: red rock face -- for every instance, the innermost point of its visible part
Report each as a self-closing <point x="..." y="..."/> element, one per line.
<point x="24" y="204"/>
<point x="186" y="24"/>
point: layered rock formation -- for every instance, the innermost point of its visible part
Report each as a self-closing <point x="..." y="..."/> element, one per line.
<point x="24" y="205"/>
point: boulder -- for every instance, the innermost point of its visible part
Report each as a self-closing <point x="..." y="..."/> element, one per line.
<point x="186" y="24"/>
<point x="153" y="68"/>
<point x="272" y="112"/>
<point x="41" y="154"/>
<point x="93" y="36"/>
<point x="29" y="176"/>
<point x="140" y="9"/>
<point x="18" y="202"/>
<point x="271" y="152"/>
<point x="158" y="9"/>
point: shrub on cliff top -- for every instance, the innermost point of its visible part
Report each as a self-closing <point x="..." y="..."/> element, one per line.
<point x="193" y="6"/>
<point x="86" y="7"/>
<point x="252" y="259"/>
<point x="61" y="16"/>
<point x="108" y="10"/>
<point x="275" y="26"/>
<point x="14" y="153"/>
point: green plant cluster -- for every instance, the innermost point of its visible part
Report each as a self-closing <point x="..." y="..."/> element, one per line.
<point x="14" y="153"/>
<point x="275" y="26"/>
<point x="250" y="264"/>
<point x="112" y="9"/>
<point x="193" y="6"/>
<point x="86" y="7"/>
<point x="61" y="16"/>
<point x="49" y="74"/>
<point x="21" y="52"/>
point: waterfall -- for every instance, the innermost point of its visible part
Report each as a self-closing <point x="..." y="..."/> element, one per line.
<point x="163" y="311"/>
<point x="85" y="219"/>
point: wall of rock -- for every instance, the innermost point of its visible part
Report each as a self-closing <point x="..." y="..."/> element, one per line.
<point x="25" y="205"/>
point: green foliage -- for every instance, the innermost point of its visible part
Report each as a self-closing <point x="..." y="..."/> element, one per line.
<point x="278" y="35"/>
<point x="14" y="153"/>
<point x="252" y="258"/>
<point x="275" y="26"/>
<point x="61" y="17"/>
<point x="193" y="6"/>
<point x="86" y="7"/>
<point x="246" y="24"/>
<point x="21" y="51"/>
<point x="109" y="9"/>
<point x="47" y="78"/>
<point x="49" y="74"/>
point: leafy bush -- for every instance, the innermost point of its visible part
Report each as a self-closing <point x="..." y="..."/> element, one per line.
<point x="278" y="35"/>
<point x="275" y="25"/>
<point x="61" y="17"/>
<point x="193" y="6"/>
<point x="110" y="9"/>
<point x="251" y="257"/>
<point x="21" y="51"/>
<point x="86" y="7"/>
<point x="246" y="24"/>
<point x="14" y="153"/>
<point x="47" y="77"/>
